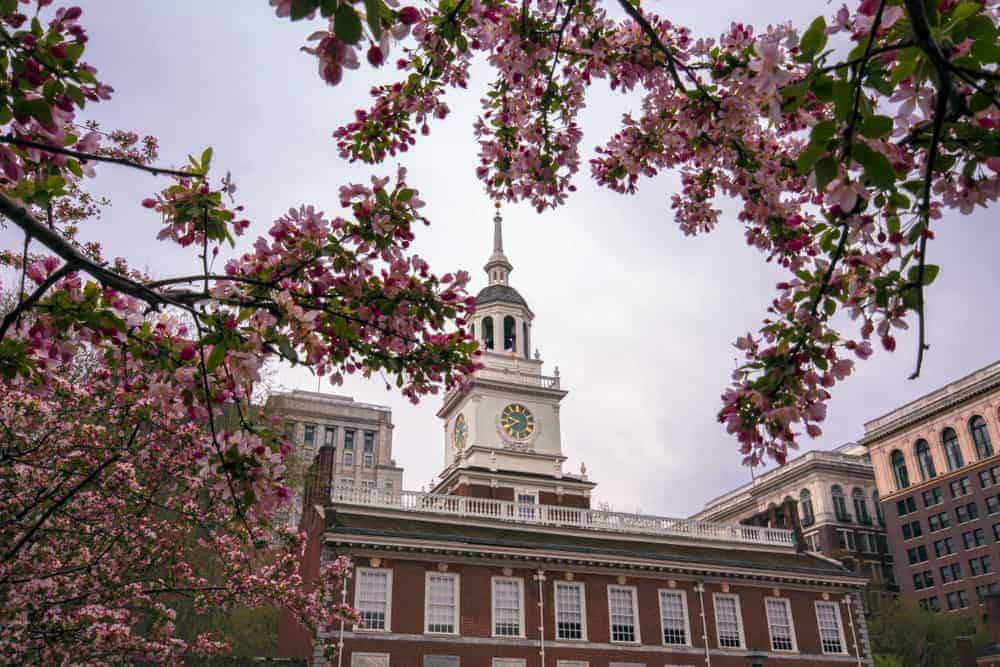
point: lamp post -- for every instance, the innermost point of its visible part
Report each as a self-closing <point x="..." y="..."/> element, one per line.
<point x="700" y="589"/>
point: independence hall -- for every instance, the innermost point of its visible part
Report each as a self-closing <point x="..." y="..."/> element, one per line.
<point x="505" y="564"/>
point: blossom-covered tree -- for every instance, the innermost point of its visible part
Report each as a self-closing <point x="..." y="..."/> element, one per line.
<point x="842" y="141"/>
<point x="134" y="471"/>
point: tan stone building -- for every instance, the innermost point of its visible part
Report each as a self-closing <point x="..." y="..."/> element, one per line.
<point x="938" y="475"/>
<point x="831" y="498"/>
<point x="359" y="433"/>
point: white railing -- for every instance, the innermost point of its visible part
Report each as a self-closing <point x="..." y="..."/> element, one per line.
<point x="554" y="515"/>
<point x="519" y="377"/>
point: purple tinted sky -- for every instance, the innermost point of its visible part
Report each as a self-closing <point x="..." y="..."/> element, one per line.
<point x="639" y="318"/>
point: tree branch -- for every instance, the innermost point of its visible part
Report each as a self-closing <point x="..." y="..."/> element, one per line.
<point x="85" y="157"/>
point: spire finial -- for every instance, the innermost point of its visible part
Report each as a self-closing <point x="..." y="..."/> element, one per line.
<point x="497" y="230"/>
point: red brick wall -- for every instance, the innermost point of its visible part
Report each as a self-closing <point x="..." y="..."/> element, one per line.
<point x="407" y="618"/>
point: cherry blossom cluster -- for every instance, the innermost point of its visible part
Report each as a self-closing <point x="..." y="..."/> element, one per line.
<point x="842" y="142"/>
<point x="142" y="476"/>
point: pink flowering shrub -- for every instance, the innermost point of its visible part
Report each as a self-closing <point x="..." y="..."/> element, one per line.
<point x="135" y="470"/>
<point x="839" y="152"/>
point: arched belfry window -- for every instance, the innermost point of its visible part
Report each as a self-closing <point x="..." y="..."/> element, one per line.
<point x="860" y="506"/>
<point x="924" y="460"/>
<point x="899" y="473"/>
<point x="509" y="333"/>
<point x="488" y="332"/>
<point x="525" y="340"/>
<point x="980" y="436"/>
<point x="839" y="503"/>
<point x="952" y="452"/>
<point x="806" y="508"/>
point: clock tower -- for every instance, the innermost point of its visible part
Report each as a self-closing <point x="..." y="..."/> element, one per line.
<point x="501" y="429"/>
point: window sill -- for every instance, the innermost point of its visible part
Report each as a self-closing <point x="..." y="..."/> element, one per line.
<point x="509" y="637"/>
<point x="623" y="642"/>
<point x="372" y="630"/>
<point x="571" y="639"/>
<point x="441" y="634"/>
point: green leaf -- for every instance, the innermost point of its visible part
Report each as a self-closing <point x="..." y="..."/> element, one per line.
<point x="814" y="38"/>
<point x="874" y="127"/>
<point x="930" y="274"/>
<point x="327" y="8"/>
<point x="373" y="13"/>
<point x="301" y="9"/>
<point x="964" y="10"/>
<point x="826" y="171"/>
<point x="808" y="157"/>
<point x="206" y="157"/>
<point x="347" y="24"/>
<point x="215" y="358"/>
<point x="878" y="169"/>
<point x="843" y="99"/>
<point x="823" y="131"/>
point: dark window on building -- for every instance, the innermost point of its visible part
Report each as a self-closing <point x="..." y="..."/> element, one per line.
<point x="525" y="340"/>
<point x="923" y="580"/>
<point x="932" y="497"/>
<point x="968" y="512"/>
<point x="957" y="600"/>
<point x="931" y="604"/>
<point x="988" y="478"/>
<point x="883" y="544"/>
<point x="973" y="538"/>
<point x="911" y="530"/>
<point x="349" y="448"/>
<point x="368" y="453"/>
<point x="509" y="333"/>
<point x="944" y="547"/>
<point x="860" y="507"/>
<point x="996" y="532"/>
<point x="806" y="508"/>
<point x="924" y="460"/>
<point x="441" y="661"/>
<point x="938" y="521"/>
<point x="839" y="503"/>
<point x="979" y="566"/>
<point x="982" y="590"/>
<point x="905" y="506"/>
<point x="899" y="473"/>
<point x="878" y="508"/>
<point x="960" y="487"/>
<point x="952" y="452"/>
<point x="980" y="437"/>
<point x="309" y="435"/>
<point x="917" y="554"/>
<point x="488" y="332"/>
<point x="951" y="573"/>
<point x="845" y="539"/>
<point x="993" y="504"/>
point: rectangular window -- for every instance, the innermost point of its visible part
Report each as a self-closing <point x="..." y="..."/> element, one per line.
<point x="441" y="661"/>
<point x="348" y="448"/>
<point x="993" y="504"/>
<point x="957" y="600"/>
<point x="996" y="532"/>
<point x="944" y="547"/>
<point x="966" y="513"/>
<point x="845" y="539"/>
<point x="905" y="506"/>
<point x="369" y="659"/>
<point x="571" y="609"/>
<point x="441" y="599"/>
<point x="526" y="501"/>
<point x="981" y="565"/>
<point x="728" y="621"/>
<point x="917" y="554"/>
<point x="950" y="573"/>
<point x="509" y="662"/>
<point x="368" y="485"/>
<point x="779" y="624"/>
<point x="932" y="497"/>
<point x="309" y="435"/>
<point x="960" y="487"/>
<point x="912" y="530"/>
<point x="368" y="453"/>
<point x="936" y="522"/>
<point x="330" y="436"/>
<point x="508" y="607"/>
<point x="372" y="597"/>
<point x="622" y="608"/>
<point x="831" y="630"/>
<point x="674" y="617"/>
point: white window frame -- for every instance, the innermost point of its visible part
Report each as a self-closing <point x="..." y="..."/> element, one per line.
<point x="572" y="663"/>
<point x="359" y="656"/>
<point x="684" y="607"/>
<point x="739" y="620"/>
<point x="583" y="608"/>
<point x="388" y="597"/>
<point x="635" y="615"/>
<point x="791" y="625"/>
<point x="456" y="598"/>
<point x="493" y="608"/>
<point x="840" y="627"/>
<point x="523" y="512"/>
<point x="509" y="662"/>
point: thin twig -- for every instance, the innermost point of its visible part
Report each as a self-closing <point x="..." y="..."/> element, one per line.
<point x="85" y="157"/>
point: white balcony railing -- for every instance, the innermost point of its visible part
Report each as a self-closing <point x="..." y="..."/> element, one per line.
<point x="567" y="517"/>
<point x="519" y="377"/>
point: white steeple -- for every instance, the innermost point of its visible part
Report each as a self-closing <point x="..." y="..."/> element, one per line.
<point x="498" y="267"/>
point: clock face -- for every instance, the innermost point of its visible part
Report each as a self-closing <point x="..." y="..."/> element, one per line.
<point x="517" y="422"/>
<point x="459" y="432"/>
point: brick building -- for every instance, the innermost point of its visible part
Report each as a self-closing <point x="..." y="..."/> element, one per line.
<point x="938" y="475"/>
<point x="830" y="496"/>
<point x="504" y="563"/>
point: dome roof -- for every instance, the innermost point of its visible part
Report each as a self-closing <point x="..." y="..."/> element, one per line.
<point x="500" y="293"/>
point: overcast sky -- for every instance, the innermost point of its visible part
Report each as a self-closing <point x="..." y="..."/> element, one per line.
<point x="639" y="319"/>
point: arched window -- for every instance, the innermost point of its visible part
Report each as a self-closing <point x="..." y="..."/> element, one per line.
<point x="924" y="460"/>
<point x="839" y="503"/>
<point x="527" y="342"/>
<point x="878" y="508"/>
<point x="806" y="508"/>
<point x="488" y="332"/>
<point x="952" y="452"/>
<point x="980" y="436"/>
<point x="860" y="506"/>
<point x="509" y="333"/>
<point x="899" y="473"/>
